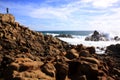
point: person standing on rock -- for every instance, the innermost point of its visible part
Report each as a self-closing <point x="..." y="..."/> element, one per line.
<point x="7" y="10"/>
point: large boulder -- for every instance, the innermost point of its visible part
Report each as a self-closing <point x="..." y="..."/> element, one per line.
<point x="7" y="18"/>
<point x="49" y="69"/>
<point x="72" y="54"/>
<point x="113" y="49"/>
<point x="86" y="68"/>
<point x="61" y="71"/>
<point x="84" y="53"/>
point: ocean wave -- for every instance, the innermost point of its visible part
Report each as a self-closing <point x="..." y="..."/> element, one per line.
<point x="80" y="39"/>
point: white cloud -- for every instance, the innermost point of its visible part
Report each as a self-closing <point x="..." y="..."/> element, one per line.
<point x="107" y="18"/>
<point x="63" y="12"/>
<point x="78" y="14"/>
<point x="49" y="13"/>
<point x="101" y="3"/>
<point x="107" y="22"/>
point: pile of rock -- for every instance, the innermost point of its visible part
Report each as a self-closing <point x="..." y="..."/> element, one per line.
<point x="96" y="36"/>
<point x="29" y="55"/>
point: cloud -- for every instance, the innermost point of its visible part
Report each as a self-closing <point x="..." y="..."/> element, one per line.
<point x="72" y="15"/>
<point x="49" y="13"/>
<point x="101" y="3"/>
<point x="107" y="22"/>
<point x="62" y="12"/>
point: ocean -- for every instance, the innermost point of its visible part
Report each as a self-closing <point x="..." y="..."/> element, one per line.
<point x="79" y="38"/>
<point x="78" y="33"/>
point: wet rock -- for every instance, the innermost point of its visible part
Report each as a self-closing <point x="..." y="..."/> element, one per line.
<point x="96" y="36"/>
<point x="114" y="48"/>
<point x="116" y="38"/>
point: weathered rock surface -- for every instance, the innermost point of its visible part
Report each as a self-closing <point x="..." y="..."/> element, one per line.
<point x="96" y="36"/>
<point x="29" y="55"/>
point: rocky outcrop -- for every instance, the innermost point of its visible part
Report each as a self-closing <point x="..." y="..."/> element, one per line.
<point x="7" y="18"/>
<point x="29" y="55"/>
<point x="24" y="69"/>
<point x="96" y="36"/>
<point x="113" y="49"/>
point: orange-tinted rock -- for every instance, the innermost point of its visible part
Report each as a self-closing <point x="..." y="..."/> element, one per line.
<point x="72" y="54"/>
<point x="49" y="69"/>
<point x="91" y="60"/>
<point x="7" y="18"/>
<point x="25" y="68"/>
<point x="31" y="75"/>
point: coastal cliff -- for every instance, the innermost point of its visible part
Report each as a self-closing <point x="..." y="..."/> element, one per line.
<point x="30" y="55"/>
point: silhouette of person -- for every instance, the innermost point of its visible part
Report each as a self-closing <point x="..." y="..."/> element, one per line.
<point x="7" y="10"/>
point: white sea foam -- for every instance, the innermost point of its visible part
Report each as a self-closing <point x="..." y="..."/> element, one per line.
<point x="53" y="34"/>
<point x="81" y="40"/>
<point x="100" y="44"/>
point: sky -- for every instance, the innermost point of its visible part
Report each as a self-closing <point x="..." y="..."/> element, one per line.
<point x="49" y="15"/>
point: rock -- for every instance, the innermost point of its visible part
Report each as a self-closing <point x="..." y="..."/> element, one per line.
<point x="30" y="55"/>
<point x="84" y="53"/>
<point x="0" y="47"/>
<point x="7" y="59"/>
<point x="90" y="67"/>
<point x="24" y="64"/>
<point x="113" y="49"/>
<point x="91" y="60"/>
<point x="80" y="47"/>
<point x="49" y="69"/>
<point x="72" y="54"/>
<point x="24" y="68"/>
<point x="96" y="36"/>
<point x="61" y="71"/>
<point x="7" y="18"/>
<point x="91" y="50"/>
<point x="53" y="51"/>
<point x="83" y="77"/>
<point x="116" y="71"/>
<point x="77" y="69"/>
<point x="116" y="38"/>
<point x="31" y="75"/>
<point x="64" y="35"/>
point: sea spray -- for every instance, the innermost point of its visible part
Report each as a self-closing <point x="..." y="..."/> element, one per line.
<point x="80" y="39"/>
